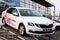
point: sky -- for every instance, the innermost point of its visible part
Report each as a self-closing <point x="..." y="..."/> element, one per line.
<point x="57" y="5"/>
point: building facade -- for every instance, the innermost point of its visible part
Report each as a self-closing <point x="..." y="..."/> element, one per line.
<point x="16" y="2"/>
<point x="40" y="7"/>
<point x="31" y="4"/>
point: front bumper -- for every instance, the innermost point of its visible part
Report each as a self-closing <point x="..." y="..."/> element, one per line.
<point x="40" y="31"/>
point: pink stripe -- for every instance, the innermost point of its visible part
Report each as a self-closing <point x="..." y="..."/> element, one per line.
<point x="6" y="18"/>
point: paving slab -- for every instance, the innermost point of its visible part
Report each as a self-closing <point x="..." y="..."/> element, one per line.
<point x="7" y="35"/>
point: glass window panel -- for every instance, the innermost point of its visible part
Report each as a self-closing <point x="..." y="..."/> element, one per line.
<point x="30" y="2"/>
<point x="8" y="0"/>
<point x="31" y="6"/>
<point x="22" y="0"/>
<point x="37" y="7"/>
<point x="27" y="5"/>
<point x="22" y="4"/>
<point x="27" y="1"/>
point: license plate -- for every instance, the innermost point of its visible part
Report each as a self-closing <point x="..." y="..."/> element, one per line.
<point x="47" y="30"/>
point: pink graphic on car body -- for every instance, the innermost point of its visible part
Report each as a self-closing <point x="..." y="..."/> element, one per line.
<point x="6" y="18"/>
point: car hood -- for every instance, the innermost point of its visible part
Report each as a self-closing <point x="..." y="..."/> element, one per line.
<point x="38" y="20"/>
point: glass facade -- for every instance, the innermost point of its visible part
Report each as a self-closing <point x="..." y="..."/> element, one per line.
<point x="36" y="6"/>
<point x="16" y="2"/>
<point x="31" y="4"/>
<point x="8" y="0"/>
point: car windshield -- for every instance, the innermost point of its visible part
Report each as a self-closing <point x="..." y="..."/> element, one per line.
<point x="29" y="12"/>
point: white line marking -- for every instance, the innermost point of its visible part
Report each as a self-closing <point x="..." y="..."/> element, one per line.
<point x="20" y="37"/>
<point x="15" y="33"/>
<point x="34" y="36"/>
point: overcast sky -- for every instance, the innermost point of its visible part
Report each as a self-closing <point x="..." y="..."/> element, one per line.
<point x="57" y="4"/>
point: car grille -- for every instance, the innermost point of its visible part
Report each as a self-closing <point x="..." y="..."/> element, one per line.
<point x="44" y="26"/>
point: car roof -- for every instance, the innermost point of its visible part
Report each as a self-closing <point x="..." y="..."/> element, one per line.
<point x="20" y="7"/>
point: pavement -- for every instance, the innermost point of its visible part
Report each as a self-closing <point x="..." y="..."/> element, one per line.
<point x="9" y="33"/>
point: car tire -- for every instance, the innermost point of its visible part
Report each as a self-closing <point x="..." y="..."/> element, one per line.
<point x="4" y="22"/>
<point x="22" y="30"/>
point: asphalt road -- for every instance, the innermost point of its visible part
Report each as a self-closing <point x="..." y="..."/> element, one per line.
<point x="26" y="37"/>
<point x="55" y="36"/>
<point x="13" y="31"/>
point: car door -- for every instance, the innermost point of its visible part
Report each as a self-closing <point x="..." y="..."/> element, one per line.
<point x="14" y="17"/>
<point x="11" y="15"/>
<point x="8" y="16"/>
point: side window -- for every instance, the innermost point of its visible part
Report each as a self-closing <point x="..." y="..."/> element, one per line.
<point x="10" y="10"/>
<point x="15" y="12"/>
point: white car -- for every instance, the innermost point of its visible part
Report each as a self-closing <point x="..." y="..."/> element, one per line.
<point x="57" y="24"/>
<point x="27" y="21"/>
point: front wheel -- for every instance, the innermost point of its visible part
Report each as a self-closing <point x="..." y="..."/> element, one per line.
<point x="3" y="21"/>
<point x="22" y="30"/>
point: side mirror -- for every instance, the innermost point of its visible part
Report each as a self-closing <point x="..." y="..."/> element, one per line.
<point x="15" y="14"/>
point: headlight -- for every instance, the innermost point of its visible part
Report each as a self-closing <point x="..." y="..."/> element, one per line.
<point x="31" y="24"/>
<point x="37" y="25"/>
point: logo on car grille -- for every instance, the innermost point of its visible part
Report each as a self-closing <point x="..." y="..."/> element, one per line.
<point x="47" y="24"/>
